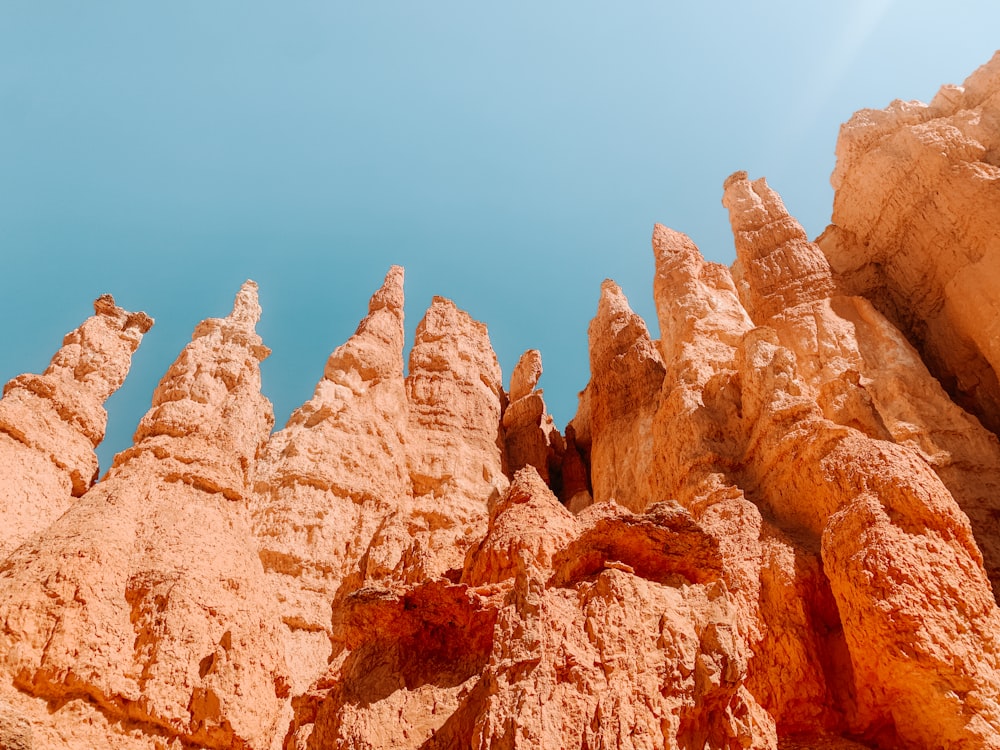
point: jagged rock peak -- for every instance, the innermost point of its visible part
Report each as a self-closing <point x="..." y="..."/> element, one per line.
<point x="315" y="511"/>
<point x="531" y="437"/>
<point x="51" y="423"/>
<point x="240" y="325"/>
<point x="95" y="358"/>
<point x="626" y="375"/>
<point x="776" y="267"/>
<point x="526" y="373"/>
<point x="208" y="412"/>
<point x="98" y="353"/>
<point x="375" y="351"/>
<point x="693" y="297"/>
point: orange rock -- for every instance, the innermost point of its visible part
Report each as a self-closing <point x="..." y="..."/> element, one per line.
<point x="856" y="365"/>
<point x="51" y="423"/>
<point x="914" y="229"/>
<point x="791" y="547"/>
<point x="915" y="604"/>
<point x="530" y="436"/>
<point x="328" y="481"/>
<point x="699" y="444"/>
<point x="146" y="599"/>
<point x="626" y="374"/>
<point x="548" y="640"/>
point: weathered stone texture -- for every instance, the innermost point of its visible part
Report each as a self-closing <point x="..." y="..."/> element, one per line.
<point x="51" y="423"/>
<point x="775" y="526"/>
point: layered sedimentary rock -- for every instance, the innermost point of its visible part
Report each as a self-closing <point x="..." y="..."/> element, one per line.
<point x="51" y="423"/>
<point x="914" y="229"/>
<point x="329" y="480"/>
<point x="856" y="364"/>
<point x="455" y="448"/>
<point x="775" y="526"/>
<point x="146" y="599"/>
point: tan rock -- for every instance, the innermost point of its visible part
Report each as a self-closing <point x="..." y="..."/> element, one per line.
<point x="51" y="423"/>
<point x="915" y="222"/>
<point x="330" y="479"/>
<point x="626" y="377"/>
<point x="857" y="366"/>
<point x="146" y="600"/>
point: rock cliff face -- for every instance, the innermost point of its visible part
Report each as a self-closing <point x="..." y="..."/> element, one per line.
<point x="775" y="526"/>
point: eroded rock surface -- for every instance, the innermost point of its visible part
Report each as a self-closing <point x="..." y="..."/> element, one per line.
<point x="329" y="480"/>
<point x="146" y="599"/>
<point x="914" y="228"/>
<point x="775" y="526"/>
<point x="51" y="423"/>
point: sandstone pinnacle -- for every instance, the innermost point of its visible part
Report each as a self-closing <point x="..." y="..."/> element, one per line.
<point x="775" y="527"/>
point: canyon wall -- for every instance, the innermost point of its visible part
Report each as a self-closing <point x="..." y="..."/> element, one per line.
<point x="774" y="524"/>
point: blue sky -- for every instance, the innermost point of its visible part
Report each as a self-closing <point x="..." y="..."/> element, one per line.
<point x="510" y="156"/>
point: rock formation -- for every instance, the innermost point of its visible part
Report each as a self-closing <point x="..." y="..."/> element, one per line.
<point x="331" y="478"/>
<point x="51" y="423"/>
<point x="914" y="229"/>
<point x="146" y="602"/>
<point x="775" y="526"/>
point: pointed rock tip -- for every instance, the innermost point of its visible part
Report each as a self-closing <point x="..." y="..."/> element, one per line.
<point x="526" y="373"/>
<point x="246" y="307"/>
<point x="753" y="205"/>
<point x="738" y="187"/>
<point x="668" y="243"/>
<point x="612" y="294"/>
<point x="613" y="300"/>
<point x="610" y="288"/>
<point x="105" y="305"/>
<point x="390" y="294"/>
<point x="736" y="177"/>
<point x="438" y="301"/>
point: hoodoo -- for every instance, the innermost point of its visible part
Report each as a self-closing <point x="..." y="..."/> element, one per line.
<point x="777" y="525"/>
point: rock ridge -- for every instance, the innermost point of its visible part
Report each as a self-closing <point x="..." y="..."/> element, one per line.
<point x="773" y="524"/>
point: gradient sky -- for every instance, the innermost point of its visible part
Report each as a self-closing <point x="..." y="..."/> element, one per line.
<point x="510" y="156"/>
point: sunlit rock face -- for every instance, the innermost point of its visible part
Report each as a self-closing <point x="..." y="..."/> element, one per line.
<point x="51" y="423"/>
<point x="772" y="523"/>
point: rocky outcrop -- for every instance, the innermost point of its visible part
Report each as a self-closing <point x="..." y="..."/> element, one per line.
<point x="546" y="640"/>
<point x="856" y="365"/>
<point x="146" y="599"/>
<point x="776" y="584"/>
<point x="914" y="227"/>
<point x="774" y="527"/>
<point x="530" y="436"/>
<point x="51" y="423"/>
<point x="455" y="449"/>
<point x="331" y="478"/>
<point x="616" y="416"/>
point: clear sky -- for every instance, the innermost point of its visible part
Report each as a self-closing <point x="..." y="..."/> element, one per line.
<point x="510" y="155"/>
